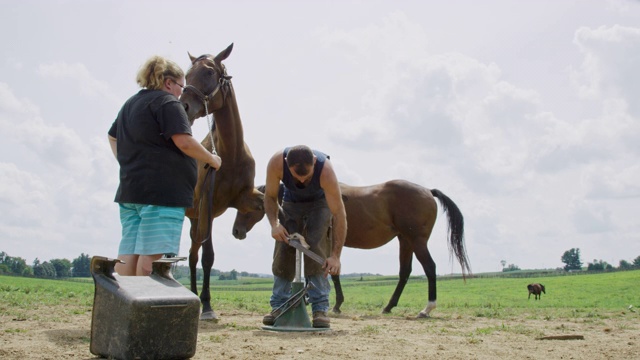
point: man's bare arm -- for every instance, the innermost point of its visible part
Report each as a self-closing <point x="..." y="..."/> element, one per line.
<point x="271" y="207"/>
<point x="331" y="187"/>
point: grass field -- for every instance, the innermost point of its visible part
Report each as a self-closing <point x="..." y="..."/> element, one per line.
<point x="586" y="295"/>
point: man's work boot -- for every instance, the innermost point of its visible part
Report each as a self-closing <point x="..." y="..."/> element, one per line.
<point x="270" y="318"/>
<point x="321" y="319"/>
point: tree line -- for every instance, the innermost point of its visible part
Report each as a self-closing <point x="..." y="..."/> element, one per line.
<point x="572" y="261"/>
<point x="54" y="268"/>
<point x="81" y="267"/>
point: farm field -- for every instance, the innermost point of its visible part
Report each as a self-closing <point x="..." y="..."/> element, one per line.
<point x="484" y="318"/>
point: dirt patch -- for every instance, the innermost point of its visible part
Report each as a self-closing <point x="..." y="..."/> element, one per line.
<point x="44" y="335"/>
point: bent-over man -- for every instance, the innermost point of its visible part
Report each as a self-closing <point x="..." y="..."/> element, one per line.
<point x="312" y="206"/>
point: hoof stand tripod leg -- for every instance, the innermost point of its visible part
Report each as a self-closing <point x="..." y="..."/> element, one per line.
<point x="292" y="315"/>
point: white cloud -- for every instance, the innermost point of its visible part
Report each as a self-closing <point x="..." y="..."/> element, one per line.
<point x="611" y="56"/>
<point x="10" y="104"/>
<point x="77" y="72"/>
<point x="57" y="188"/>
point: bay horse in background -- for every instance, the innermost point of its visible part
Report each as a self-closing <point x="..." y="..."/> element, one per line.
<point x="209" y="91"/>
<point x="376" y="214"/>
<point x="536" y="290"/>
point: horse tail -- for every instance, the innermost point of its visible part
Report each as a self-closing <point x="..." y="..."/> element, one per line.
<point x="455" y="231"/>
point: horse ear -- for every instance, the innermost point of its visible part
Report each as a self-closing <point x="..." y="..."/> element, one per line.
<point x="193" y="58"/>
<point x="224" y="54"/>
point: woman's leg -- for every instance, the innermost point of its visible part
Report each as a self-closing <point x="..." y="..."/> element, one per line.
<point x="129" y="266"/>
<point x="145" y="263"/>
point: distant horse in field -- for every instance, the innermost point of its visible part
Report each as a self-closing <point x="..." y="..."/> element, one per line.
<point x="535" y="289"/>
<point x="378" y="213"/>
<point x="209" y="91"/>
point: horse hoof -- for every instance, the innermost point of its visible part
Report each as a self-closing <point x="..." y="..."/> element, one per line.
<point x="423" y="316"/>
<point x="337" y="311"/>
<point x="209" y="316"/>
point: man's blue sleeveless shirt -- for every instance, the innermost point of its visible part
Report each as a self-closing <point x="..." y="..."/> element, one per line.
<point x="313" y="191"/>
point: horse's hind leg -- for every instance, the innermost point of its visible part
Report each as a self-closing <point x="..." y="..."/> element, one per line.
<point x="205" y="296"/>
<point x="193" y="257"/>
<point x="406" y="257"/>
<point x="429" y="266"/>
<point x="339" y="294"/>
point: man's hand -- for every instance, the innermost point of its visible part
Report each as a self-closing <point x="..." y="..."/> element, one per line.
<point x="331" y="266"/>
<point x="279" y="233"/>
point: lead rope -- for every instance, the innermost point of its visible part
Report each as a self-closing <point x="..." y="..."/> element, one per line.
<point x="210" y="176"/>
<point x="210" y="122"/>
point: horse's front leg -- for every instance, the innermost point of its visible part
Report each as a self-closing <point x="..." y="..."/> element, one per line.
<point x="205" y="295"/>
<point x="339" y="294"/>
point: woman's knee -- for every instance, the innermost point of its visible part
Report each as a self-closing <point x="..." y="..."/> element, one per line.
<point x="145" y="264"/>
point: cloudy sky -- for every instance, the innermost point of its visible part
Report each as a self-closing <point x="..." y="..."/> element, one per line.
<point x="523" y="113"/>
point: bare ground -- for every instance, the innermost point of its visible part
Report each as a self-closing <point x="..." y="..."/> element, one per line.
<point x="46" y="334"/>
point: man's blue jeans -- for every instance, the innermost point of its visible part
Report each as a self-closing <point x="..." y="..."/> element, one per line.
<point x="318" y="292"/>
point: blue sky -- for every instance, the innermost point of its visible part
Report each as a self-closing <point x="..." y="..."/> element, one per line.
<point x="523" y="113"/>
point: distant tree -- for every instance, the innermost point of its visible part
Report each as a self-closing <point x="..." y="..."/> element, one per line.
<point x="180" y="271"/>
<point x="571" y="258"/>
<point x="45" y="269"/>
<point x="233" y="274"/>
<point x="62" y="266"/>
<point x="15" y="265"/>
<point x="636" y="262"/>
<point x="511" y="267"/>
<point x="625" y="265"/>
<point x="27" y="271"/>
<point x="503" y="263"/>
<point x="81" y="266"/>
<point x="599" y="265"/>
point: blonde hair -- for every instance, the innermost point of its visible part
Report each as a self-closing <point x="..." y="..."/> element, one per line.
<point x="154" y="71"/>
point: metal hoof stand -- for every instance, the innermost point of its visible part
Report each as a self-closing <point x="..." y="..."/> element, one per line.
<point x="292" y="315"/>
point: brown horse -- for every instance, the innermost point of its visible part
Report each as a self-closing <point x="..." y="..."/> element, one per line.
<point x="378" y="213"/>
<point x="209" y="91"/>
<point x="536" y="290"/>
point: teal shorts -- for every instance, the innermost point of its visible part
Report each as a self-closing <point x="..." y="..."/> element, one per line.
<point x="150" y="229"/>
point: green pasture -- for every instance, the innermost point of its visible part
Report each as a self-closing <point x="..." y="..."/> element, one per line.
<point x="570" y="296"/>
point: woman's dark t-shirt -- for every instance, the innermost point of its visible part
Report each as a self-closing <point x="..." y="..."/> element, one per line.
<point x="153" y="171"/>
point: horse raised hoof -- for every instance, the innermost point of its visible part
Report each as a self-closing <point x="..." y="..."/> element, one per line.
<point x="209" y="316"/>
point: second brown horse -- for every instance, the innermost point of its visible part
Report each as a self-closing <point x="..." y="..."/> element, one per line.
<point x="376" y="214"/>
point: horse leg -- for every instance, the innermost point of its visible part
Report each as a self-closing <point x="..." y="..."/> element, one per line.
<point x="193" y="257"/>
<point x="205" y="295"/>
<point x="406" y="257"/>
<point x="339" y="294"/>
<point x="429" y="266"/>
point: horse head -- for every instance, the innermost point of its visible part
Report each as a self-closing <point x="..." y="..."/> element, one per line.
<point x="245" y="221"/>
<point x="208" y="84"/>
